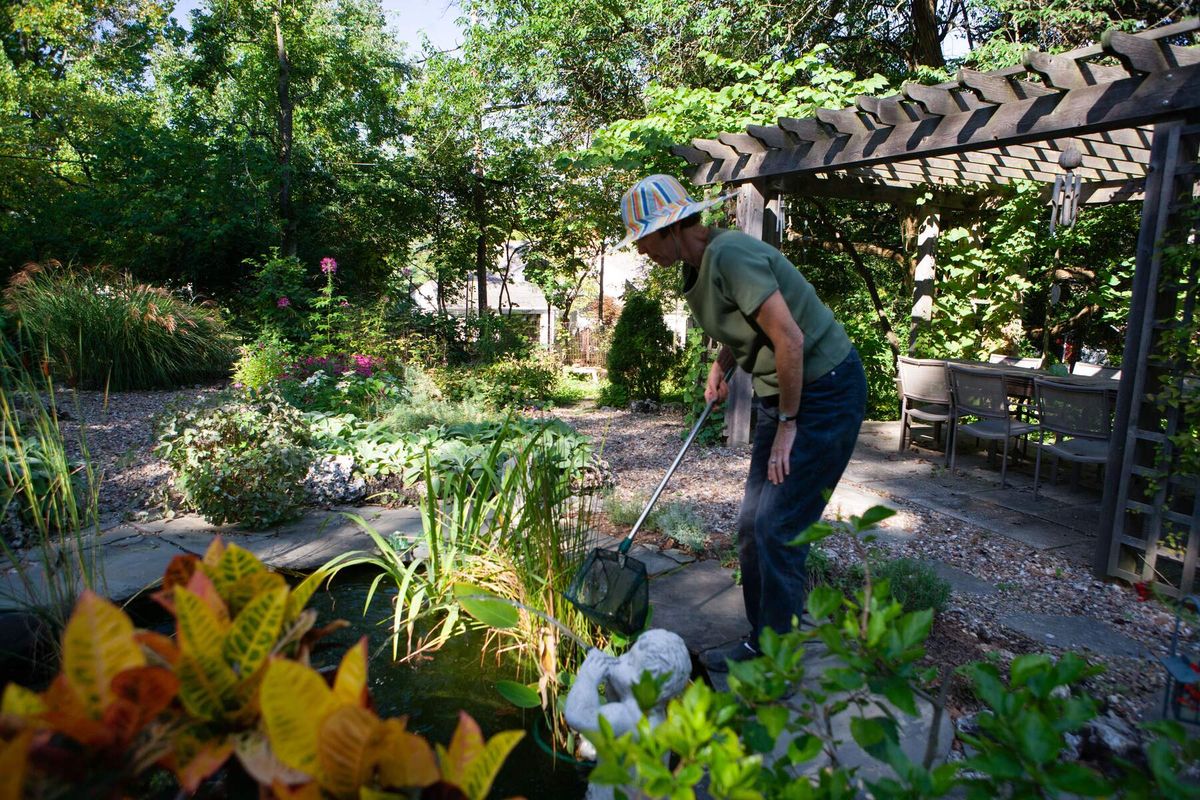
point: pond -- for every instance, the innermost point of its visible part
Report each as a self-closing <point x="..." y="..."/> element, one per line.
<point x="431" y="690"/>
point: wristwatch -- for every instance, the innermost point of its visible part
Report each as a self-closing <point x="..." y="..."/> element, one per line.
<point x="788" y="417"/>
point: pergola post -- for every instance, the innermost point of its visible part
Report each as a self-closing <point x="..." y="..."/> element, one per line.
<point x="759" y="216"/>
<point x="924" y="274"/>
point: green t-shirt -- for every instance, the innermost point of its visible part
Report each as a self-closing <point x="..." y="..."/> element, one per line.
<point x="737" y="273"/>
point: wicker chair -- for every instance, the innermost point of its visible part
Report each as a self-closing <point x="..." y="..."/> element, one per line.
<point x="1030" y="362"/>
<point x="1080" y="419"/>
<point x="924" y="395"/>
<point x="1084" y="368"/>
<point x="983" y="394"/>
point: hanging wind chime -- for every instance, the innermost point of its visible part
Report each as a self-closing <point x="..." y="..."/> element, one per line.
<point x="1064" y="210"/>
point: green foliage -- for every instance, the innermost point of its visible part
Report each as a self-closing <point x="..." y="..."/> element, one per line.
<point x="643" y="350"/>
<point x="753" y="93"/>
<point x="101" y="329"/>
<point x="239" y="457"/>
<point x="510" y="383"/>
<point x="358" y="385"/>
<point x="682" y="522"/>
<point x="1021" y="734"/>
<point x="613" y="395"/>
<point x="697" y="361"/>
<point x="996" y="276"/>
<point x="913" y="583"/>
<point x="51" y="493"/>
<point x="262" y="361"/>
<point x="507" y="523"/>
<point x="731" y="739"/>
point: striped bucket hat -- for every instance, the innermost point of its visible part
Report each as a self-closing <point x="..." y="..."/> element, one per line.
<point x="656" y="202"/>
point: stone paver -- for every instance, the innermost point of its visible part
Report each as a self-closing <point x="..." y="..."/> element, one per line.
<point x="1074" y="633"/>
<point x="962" y="581"/>
<point x="701" y="603"/>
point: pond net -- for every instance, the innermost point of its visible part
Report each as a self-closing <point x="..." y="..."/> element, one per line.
<point x="613" y="591"/>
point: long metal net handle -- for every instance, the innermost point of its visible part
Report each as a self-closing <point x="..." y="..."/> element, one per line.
<point x="627" y="542"/>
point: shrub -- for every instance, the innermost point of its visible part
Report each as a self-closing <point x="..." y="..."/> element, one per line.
<point x="264" y="360"/>
<point x="240" y="457"/>
<point x="695" y="366"/>
<point x="914" y="584"/>
<point x="100" y="329"/>
<point x="682" y="523"/>
<point x="425" y="405"/>
<point x="613" y="396"/>
<point x="354" y="384"/>
<point x="505" y="384"/>
<point x="235" y="668"/>
<point x="643" y="350"/>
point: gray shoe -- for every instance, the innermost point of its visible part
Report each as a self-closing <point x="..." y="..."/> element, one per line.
<point x="716" y="659"/>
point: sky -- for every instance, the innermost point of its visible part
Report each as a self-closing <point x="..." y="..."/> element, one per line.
<point x="407" y="18"/>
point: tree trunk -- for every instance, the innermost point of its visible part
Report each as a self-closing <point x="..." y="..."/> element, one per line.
<point x="288" y="244"/>
<point x="480" y="207"/>
<point x="926" y="46"/>
<point x="600" y="304"/>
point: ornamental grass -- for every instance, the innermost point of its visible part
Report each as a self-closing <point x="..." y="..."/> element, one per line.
<point x="101" y="329"/>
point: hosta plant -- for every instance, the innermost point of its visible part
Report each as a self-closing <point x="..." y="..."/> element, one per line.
<point x="233" y="690"/>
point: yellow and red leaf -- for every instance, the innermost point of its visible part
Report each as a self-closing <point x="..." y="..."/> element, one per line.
<point x="98" y="643"/>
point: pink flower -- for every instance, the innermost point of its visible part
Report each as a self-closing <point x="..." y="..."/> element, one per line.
<point x="283" y="302"/>
<point x="344" y="304"/>
<point x="328" y="266"/>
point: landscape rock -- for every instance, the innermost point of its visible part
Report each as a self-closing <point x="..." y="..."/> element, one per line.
<point x="1109" y="736"/>
<point x="331" y="481"/>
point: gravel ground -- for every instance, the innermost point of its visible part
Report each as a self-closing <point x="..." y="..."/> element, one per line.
<point x="120" y="438"/>
<point x="640" y="447"/>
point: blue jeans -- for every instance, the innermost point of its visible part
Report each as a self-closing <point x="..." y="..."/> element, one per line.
<point x="773" y="572"/>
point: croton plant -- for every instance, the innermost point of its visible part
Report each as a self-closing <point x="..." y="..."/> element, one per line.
<point x="233" y="689"/>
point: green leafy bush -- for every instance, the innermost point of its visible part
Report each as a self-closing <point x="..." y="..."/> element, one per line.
<point x="505" y="384"/>
<point x="355" y="384"/>
<point x="240" y="457"/>
<point x="643" y="350"/>
<point x="101" y="329"/>
<point x="697" y="361"/>
<point x="262" y="361"/>
<point x="913" y="583"/>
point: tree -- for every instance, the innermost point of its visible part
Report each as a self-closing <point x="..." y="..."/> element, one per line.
<point x="643" y="349"/>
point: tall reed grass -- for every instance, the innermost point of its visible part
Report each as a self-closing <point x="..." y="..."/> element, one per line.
<point x="101" y="329"/>
<point x="508" y="526"/>
<point x="51" y="495"/>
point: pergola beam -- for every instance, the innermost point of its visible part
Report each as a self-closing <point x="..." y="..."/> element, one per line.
<point x="1130" y="102"/>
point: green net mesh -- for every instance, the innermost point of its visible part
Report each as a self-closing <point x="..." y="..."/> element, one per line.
<point x="613" y="591"/>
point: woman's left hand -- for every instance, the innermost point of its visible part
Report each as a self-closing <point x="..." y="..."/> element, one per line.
<point x="779" y="463"/>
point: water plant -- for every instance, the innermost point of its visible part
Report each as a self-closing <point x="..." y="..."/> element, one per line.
<point x="506" y="525"/>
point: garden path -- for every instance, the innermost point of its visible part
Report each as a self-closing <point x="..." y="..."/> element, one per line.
<point x="1019" y="568"/>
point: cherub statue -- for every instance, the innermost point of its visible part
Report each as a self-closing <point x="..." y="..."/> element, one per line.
<point x="661" y="653"/>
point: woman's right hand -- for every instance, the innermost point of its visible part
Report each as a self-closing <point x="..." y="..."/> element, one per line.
<point x="716" y="389"/>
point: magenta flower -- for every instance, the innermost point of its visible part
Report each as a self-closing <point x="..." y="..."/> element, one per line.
<point x="328" y="266"/>
<point x="344" y="304"/>
<point x="283" y="302"/>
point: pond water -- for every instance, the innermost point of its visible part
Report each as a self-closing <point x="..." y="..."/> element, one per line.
<point x="431" y="690"/>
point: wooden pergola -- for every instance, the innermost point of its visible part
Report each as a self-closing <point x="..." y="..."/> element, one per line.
<point x="1130" y="107"/>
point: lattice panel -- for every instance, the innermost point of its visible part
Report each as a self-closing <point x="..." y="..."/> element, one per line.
<point x="1156" y="513"/>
